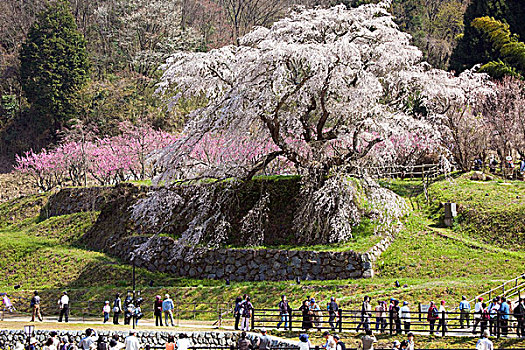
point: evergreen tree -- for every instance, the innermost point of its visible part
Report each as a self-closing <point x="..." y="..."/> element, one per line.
<point x="474" y="46"/>
<point x="510" y="50"/>
<point x="54" y="66"/>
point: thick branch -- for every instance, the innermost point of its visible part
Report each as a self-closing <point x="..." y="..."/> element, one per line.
<point x="261" y="164"/>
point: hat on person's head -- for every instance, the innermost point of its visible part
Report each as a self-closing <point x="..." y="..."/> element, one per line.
<point x="486" y="333"/>
<point x="405" y="302"/>
<point x="463" y="297"/>
<point x="396" y="343"/>
<point x="312" y="300"/>
<point x="167" y="296"/>
<point x="65" y="293"/>
<point x="480" y="298"/>
<point x="326" y="333"/>
<point x="263" y="330"/>
<point x="32" y="340"/>
<point x="303" y="337"/>
<point x="336" y="337"/>
<point x="332" y="298"/>
<point x="410" y="334"/>
<point x="106" y="302"/>
<point x="442" y="301"/>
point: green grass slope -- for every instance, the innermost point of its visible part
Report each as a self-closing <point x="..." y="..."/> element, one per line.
<point x="491" y="211"/>
<point x="429" y="263"/>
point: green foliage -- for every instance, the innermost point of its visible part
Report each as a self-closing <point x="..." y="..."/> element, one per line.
<point x="498" y="70"/>
<point x="474" y="47"/>
<point x="511" y="51"/>
<point x="54" y="66"/>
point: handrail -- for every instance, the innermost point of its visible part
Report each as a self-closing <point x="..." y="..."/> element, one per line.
<point x="502" y="286"/>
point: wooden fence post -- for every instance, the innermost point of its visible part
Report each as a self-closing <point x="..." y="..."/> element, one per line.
<point x="340" y="311"/>
<point x="443" y="323"/>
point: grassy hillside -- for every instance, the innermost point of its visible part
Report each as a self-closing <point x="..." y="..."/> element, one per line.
<point x="490" y="211"/>
<point x="430" y="263"/>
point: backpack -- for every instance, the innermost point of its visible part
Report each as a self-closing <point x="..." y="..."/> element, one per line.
<point x="434" y="313"/>
<point x="485" y="315"/>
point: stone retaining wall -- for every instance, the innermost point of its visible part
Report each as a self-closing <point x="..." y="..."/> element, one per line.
<point x="10" y="338"/>
<point x="165" y="255"/>
<point x="75" y="200"/>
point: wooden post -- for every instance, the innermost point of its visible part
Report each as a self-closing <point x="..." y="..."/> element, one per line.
<point x="290" y="317"/>
<point x="443" y="323"/>
<point x="340" y="311"/>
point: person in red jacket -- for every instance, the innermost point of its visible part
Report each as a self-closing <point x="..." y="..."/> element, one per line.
<point x="432" y="316"/>
<point x="157" y="311"/>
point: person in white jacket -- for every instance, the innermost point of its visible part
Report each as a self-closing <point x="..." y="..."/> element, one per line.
<point x="404" y="315"/>
<point x="484" y="342"/>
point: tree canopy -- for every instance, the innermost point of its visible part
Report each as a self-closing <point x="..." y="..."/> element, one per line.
<point x="54" y="65"/>
<point x="474" y="46"/>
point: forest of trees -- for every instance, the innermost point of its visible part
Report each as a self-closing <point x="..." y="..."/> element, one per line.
<point x="100" y="65"/>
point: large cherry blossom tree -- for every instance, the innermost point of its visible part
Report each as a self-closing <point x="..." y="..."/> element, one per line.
<point x="329" y="90"/>
<point x="325" y="86"/>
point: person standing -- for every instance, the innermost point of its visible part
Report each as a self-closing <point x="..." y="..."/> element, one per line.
<point x="442" y="319"/>
<point x="307" y="320"/>
<point x="183" y="343"/>
<point x="396" y="310"/>
<point x="504" y="312"/>
<point x="117" y="308"/>
<point x="264" y="342"/>
<point x="35" y="306"/>
<point x="405" y="316"/>
<point x="519" y="315"/>
<point x="170" y="344"/>
<point x="101" y="342"/>
<point x="368" y="340"/>
<point x="432" y="316"/>
<point x="410" y="340"/>
<point x="316" y="314"/>
<point x="88" y="340"/>
<point x="330" y="342"/>
<point x="157" y="311"/>
<point x="339" y="345"/>
<point x="247" y="310"/>
<point x="237" y="312"/>
<point x="333" y="309"/>
<point x="484" y="342"/>
<point x="106" y="310"/>
<point x="128" y="311"/>
<point x="477" y="314"/>
<point x="485" y="317"/>
<point x="283" y="312"/>
<point x="304" y="343"/>
<point x="63" y="303"/>
<point x="167" y="308"/>
<point x="493" y="312"/>
<point x="49" y="345"/>
<point x="243" y="343"/>
<point x="464" y="312"/>
<point x="380" y="311"/>
<point x="132" y="342"/>
<point x="365" y="314"/>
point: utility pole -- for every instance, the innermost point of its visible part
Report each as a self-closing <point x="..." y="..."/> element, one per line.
<point x="134" y="300"/>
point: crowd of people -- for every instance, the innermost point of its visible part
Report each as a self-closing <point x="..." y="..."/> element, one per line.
<point x="494" y="317"/>
<point x="93" y="341"/>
